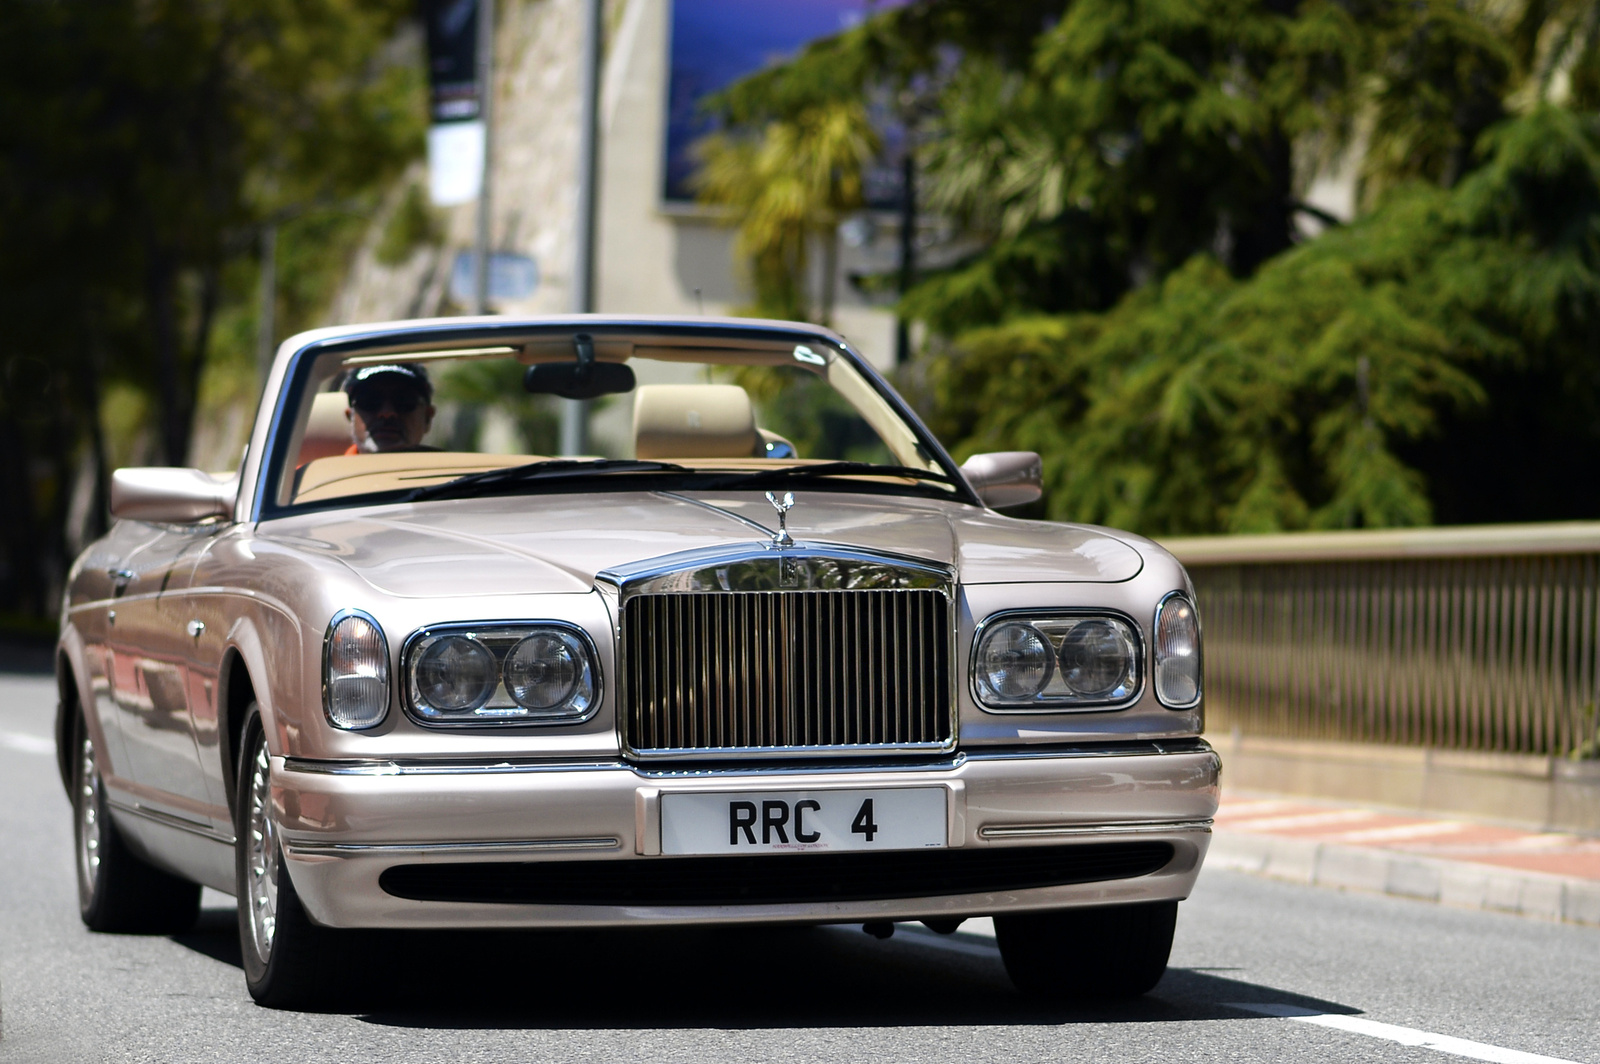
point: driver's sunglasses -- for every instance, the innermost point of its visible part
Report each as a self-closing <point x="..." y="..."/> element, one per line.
<point x="401" y="402"/>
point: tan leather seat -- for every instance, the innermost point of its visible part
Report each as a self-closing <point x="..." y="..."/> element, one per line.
<point x="694" y="421"/>
<point x="327" y="430"/>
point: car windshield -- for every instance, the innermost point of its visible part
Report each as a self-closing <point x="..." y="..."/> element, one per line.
<point x="669" y="412"/>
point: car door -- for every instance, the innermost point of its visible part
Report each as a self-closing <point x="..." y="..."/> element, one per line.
<point x="106" y="575"/>
<point x="204" y="609"/>
<point x="147" y="652"/>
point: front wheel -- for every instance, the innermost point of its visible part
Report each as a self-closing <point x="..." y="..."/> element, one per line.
<point x="117" y="891"/>
<point x="1107" y="951"/>
<point x="284" y="952"/>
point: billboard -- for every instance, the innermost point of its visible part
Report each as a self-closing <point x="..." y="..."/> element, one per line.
<point x="717" y="42"/>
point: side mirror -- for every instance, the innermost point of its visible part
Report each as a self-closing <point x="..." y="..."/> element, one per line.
<point x="172" y="496"/>
<point x="1005" y="478"/>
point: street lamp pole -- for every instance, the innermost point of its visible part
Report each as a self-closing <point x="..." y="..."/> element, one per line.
<point x="574" y="412"/>
<point x="480" y="258"/>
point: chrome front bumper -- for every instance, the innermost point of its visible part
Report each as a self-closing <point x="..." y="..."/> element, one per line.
<point x="345" y="823"/>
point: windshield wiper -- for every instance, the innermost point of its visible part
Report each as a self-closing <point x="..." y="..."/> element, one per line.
<point x="765" y="478"/>
<point x="491" y="481"/>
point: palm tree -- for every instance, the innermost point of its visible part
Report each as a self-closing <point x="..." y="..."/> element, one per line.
<point x="794" y="181"/>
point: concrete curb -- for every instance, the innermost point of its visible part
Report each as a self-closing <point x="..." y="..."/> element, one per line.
<point x="1567" y="899"/>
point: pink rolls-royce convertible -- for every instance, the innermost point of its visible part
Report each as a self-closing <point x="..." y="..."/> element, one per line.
<point x="763" y="653"/>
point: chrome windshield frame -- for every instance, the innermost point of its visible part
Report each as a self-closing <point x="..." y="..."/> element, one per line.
<point x="288" y="384"/>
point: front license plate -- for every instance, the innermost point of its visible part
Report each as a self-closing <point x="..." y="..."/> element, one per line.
<point x="768" y="821"/>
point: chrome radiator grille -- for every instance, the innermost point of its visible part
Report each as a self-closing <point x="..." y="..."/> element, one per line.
<point x="769" y="671"/>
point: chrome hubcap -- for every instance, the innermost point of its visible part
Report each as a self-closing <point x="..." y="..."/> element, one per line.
<point x="261" y="857"/>
<point x="88" y="818"/>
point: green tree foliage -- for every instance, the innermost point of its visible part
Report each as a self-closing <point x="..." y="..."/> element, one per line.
<point x="1206" y="403"/>
<point x="1143" y="307"/>
<point x="143" y="144"/>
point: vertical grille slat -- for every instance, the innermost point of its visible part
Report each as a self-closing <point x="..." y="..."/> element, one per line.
<point x="759" y="671"/>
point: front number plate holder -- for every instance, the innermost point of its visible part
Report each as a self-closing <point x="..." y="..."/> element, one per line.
<point x="750" y="822"/>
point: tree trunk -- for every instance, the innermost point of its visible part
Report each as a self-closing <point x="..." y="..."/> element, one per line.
<point x="163" y="313"/>
<point x="1267" y="228"/>
<point x="90" y="384"/>
<point x="200" y="348"/>
<point x="21" y="529"/>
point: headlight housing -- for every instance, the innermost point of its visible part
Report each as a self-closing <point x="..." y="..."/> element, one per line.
<point x="355" y="672"/>
<point x="541" y="672"/>
<point x="1029" y="662"/>
<point x="1178" y="660"/>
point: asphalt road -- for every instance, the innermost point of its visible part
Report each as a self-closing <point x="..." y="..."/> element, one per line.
<point x="1371" y="973"/>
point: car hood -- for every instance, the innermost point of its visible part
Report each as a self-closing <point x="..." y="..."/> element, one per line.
<point x="558" y="543"/>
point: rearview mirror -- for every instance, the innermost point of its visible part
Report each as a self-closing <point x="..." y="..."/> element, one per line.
<point x="574" y="380"/>
<point x="1005" y="478"/>
<point x="172" y="496"/>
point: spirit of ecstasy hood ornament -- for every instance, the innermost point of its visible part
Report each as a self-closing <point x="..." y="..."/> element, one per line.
<point x="781" y="537"/>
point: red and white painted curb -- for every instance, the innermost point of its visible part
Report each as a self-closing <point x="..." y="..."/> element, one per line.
<point x="1451" y="861"/>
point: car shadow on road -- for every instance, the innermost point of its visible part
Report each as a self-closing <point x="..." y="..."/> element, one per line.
<point x="752" y="977"/>
<point x="216" y="935"/>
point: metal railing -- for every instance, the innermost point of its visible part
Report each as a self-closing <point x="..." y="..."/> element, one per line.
<point x="1468" y="639"/>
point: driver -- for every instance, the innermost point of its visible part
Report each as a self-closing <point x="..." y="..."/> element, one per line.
<point x="391" y="408"/>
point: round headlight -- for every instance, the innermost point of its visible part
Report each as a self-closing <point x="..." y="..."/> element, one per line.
<point x="546" y="670"/>
<point x="1096" y="660"/>
<point x="1177" y="653"/>
<point x="1014" y="661"/>
<point x="456" y="673"/>
<point x="355" y="673"/>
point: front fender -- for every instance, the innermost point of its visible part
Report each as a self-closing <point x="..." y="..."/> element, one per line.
<point x="72" y="694"/>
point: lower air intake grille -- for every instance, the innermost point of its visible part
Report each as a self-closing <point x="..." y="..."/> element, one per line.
<point x="789" y="878"/>
<point x="786" y="670"/>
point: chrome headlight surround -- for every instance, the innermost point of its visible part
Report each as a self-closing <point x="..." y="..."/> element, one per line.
<point x="1178" y="622"/>
<point x="355" y="646"/>
<point x="499" y="708"/>
<point x="1056" y="695"/>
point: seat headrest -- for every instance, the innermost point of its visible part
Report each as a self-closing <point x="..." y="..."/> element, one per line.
<point x="327" y="429"/>
<point x="694" y="421"/>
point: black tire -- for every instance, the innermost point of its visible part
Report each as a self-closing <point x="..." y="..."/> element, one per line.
<point x="117" y="890"/>
<point x="1117" y="951"/>
<point x="286" y="956"/>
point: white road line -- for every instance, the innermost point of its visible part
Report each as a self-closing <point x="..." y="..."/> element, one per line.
<point x="1406" y="1036"/>
<point x="27" y="744"/>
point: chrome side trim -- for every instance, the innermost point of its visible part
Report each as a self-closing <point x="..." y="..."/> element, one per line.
<point x="1147" y="748"/>
<point x="445" y="768"/>
<point x="1052" y="831"/>
<point x="825" y="765"/>
<point x="156" y="816"/>
<point x="458" y="849"/>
